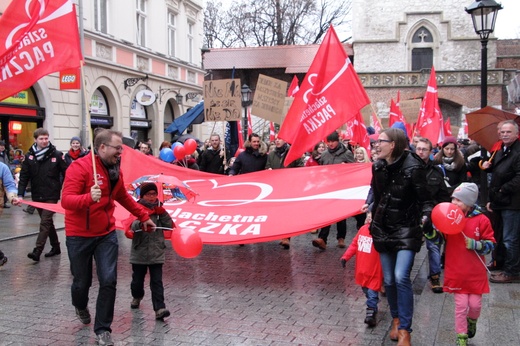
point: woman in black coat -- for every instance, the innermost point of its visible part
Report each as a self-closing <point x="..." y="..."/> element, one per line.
<point x="402" y="204"/>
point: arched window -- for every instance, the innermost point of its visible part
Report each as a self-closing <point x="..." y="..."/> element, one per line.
<point x="422" y="51"/>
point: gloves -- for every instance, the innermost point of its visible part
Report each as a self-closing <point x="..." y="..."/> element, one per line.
<point x="129" y="234"/>
<point x="343" y="263"/>
<point x="472" y="244"/>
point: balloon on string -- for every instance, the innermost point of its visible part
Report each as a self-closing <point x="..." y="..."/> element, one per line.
<point x="448" y="218"/>
<point x="190" y="145"/>
<point x="186" y="242"/>
<point x="179" y="151"/>
<point x="166" y="154"/>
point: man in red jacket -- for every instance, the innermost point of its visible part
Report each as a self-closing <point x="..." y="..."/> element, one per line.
<point x="90" y="228"/>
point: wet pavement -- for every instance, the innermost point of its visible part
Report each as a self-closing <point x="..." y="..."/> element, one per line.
<point x="256" y="294"/>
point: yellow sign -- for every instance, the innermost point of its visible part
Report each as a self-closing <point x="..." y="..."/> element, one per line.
<point x="20" y="98"/>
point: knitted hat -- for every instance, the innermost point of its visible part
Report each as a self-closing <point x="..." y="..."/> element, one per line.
<point x="333" y="137"/>
<point x="467" y="193"/>
<point x="147" y="187"/>
<point x="75" y="138"/>
<point x="448" y="140"/>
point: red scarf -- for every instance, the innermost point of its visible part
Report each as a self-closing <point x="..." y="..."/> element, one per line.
<point x="74" y="154"/>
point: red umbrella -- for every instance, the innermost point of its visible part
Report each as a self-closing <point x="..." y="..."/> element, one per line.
<point x="483" y="125"/>
<point x="173" y="189"/>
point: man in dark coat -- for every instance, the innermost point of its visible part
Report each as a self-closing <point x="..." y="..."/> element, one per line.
<point x="253" y="158"/>
<point x="44" y="167"/>
<point x="336" y="153"/>
<point x="504" y="200"/>
<point x="213" y="158"/>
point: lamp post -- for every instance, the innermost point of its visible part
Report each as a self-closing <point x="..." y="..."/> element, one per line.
<point x="484" y="15"/>
<point x="246" y="101"/>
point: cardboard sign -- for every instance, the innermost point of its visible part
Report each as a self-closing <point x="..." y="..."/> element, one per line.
<point x="222" y="100"/>
<point x="269" y="98"/>
<point x="410" y="109"/>
<point x="286" y="105"/>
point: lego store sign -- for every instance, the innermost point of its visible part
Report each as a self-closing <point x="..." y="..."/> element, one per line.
<point x="69" y="79"/>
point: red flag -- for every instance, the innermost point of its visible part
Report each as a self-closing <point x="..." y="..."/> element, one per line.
<point x="293" y="88"/>
<point x="430" y="123"/>
<point x="395" y="114"/>
<point x="240" y="136"/>
<point x="376" y="123"/>
<point x="272" y="133"/>
<point x="330" y="95"/>
<point x="357" y="131"/>
<point x="36" y="41"/>
<point x="249" y="122"/>
<point x="447" y="127"/>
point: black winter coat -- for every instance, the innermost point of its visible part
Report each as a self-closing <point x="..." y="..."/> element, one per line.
<point x="504" y="189"/>
<point x="401" y="199"/>
<point x="46" y="176"/>
<point x="211" y="161"/>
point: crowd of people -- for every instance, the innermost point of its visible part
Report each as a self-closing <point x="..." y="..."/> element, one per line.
<point x="409" y="178"/>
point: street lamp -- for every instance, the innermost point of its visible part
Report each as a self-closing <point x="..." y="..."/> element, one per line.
<point x="484" y="15"/>
<point x="246" y="101"/>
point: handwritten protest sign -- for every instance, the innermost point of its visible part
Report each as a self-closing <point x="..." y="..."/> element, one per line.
<point x="269" y="99"/>
<point x="222" y="100"/>
<point x="410" y="109"/>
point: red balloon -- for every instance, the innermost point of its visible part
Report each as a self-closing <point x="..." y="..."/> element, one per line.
<point x="448" y="218"/>
<point x="190" y="145"/>
<point x="186" y="242"/>
<point x="179" y="152"/>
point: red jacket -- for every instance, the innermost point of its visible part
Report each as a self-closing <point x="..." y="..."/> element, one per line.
<point x="83" y="216"/>
<point x="465" y="271"/>
<point x="368" y="265"/>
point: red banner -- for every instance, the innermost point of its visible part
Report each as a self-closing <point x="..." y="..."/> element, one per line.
<point x="330" y="95"/>
<point x="36" y="38"/>
<point x="255" y="207"/>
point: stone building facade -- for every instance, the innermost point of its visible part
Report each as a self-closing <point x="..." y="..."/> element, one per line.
<point x="128" y="47"/>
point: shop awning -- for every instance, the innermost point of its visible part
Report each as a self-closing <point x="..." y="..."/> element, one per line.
<point x="193" y="116"/>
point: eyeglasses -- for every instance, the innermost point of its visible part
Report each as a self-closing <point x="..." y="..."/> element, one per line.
<point x="151" y="193"/>
<point x="118" y="148"/>
<point x="379" y="141"/>
<point x="422" y="149"/>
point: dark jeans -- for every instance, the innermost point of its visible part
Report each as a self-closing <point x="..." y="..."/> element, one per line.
<point x="47" y="229"/>
<point x="156" y="284"/>
<point x="372" y="298"/>
<point x="342" y="230"/>
<point x="511" y="241"/>
<point x="104" y="251"/>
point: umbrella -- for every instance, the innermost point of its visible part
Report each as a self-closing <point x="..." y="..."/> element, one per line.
<point x="482" y="125"/>
<point x="173" y="189"/>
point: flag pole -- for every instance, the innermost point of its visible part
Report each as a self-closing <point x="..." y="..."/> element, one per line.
<point x="87" y="118"/>
<point x="224" y="141"/>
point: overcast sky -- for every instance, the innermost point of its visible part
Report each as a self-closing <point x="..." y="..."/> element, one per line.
<point x="507" y="25"/>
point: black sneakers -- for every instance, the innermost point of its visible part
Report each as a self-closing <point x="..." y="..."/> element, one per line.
<point x="83" y="315"/>
<point x="435" y="282"/>
<point x="370" y="318"/>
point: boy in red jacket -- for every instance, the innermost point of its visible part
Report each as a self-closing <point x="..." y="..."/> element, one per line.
<point x="369" y="274"/>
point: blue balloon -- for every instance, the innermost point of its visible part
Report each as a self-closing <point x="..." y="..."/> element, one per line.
<point x="176" y="144"/>
<point x="166" y="155"/>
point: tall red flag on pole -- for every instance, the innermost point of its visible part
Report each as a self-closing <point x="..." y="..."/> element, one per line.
<point x="249" y="122"/>
<point x="447" y="127"/>
<point x="272" y="132"/>
<point x="430" y="123"/>
<point x="36" y="40"/>
<point x="330" y="95"/>
<point x="293" y="88"/>
<point x="357" y="131"/>
<point x="376" y="123"/>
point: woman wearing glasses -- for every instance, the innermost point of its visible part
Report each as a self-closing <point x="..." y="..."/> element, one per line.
<point x="401" y="205"/>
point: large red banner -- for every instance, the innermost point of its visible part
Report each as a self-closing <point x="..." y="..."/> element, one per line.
<point x="255" y="207"/>
<point x="36" y="38"/>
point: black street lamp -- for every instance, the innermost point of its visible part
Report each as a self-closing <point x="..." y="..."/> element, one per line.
<point x="484" y="15"/>
<point x="246" y="102"/>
